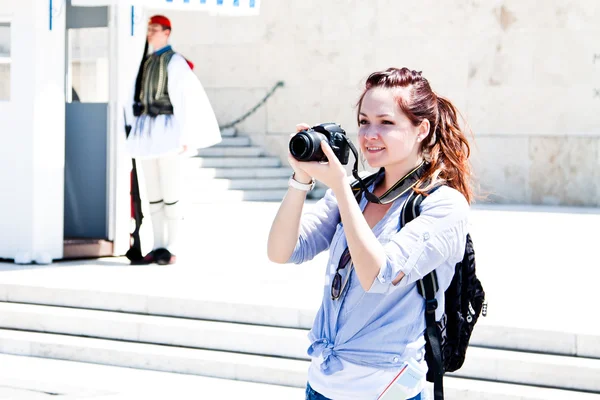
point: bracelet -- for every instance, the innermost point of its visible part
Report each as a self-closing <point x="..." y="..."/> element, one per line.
<point x="306" y="187"/>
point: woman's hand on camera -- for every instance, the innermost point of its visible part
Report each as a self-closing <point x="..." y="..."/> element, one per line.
<point x="332" y="173"/>
<point x="299" y="174"/>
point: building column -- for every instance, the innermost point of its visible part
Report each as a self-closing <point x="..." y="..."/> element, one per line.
<point x="32" y="138"/>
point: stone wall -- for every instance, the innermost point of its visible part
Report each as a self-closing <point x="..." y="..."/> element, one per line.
<point x="5" y="34"/>
<point x="525" y="74"/>
<point x="4" y="81"/>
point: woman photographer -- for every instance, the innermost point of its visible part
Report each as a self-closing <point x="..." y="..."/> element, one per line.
<point x="371" y="318"/>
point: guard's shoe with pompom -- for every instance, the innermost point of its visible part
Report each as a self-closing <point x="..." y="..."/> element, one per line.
<point x="164" y="257"/>
<point x="148" y="259"/>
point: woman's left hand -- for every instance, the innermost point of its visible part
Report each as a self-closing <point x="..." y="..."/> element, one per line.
<point x="332" y="173"/>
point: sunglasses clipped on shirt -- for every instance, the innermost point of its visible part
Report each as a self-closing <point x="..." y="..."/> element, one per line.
<point x="336" y="285"/>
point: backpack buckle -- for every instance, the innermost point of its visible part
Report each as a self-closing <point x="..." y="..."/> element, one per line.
<point x="431" y="305"/>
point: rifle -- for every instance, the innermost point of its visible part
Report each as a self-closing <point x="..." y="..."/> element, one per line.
<point x="134" y="253"/>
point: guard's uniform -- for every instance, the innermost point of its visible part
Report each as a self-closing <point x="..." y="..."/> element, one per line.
<point x="170" y="112"/>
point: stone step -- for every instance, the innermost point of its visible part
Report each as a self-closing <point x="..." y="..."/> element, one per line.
<point x="575" y="373"/>
<point x="201" y="185"/>
<point x="233" y="162"/>
<point x="246" y="151"/>
<point x="234" y="196"/>
<point x="533" y="369"/>
<point x="29" y="378"/>
<point x="227" y="365"/>
<point x="228" y="132"/>
<point x="181" y="306"/>
<point x="237" y="173"/>
<point x="232" y="366"/>
<point x="235" y="141"/>
<point x="470" y="389"/>
<point x="227" y="309"/>
<point x="201" y="334"/>
<point x="536" y="340"/>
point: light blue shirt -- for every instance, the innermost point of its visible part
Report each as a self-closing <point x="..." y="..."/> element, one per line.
<point x="383" y="326"/>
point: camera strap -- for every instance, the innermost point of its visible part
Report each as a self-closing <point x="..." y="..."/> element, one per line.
<point x="406" y="183"/>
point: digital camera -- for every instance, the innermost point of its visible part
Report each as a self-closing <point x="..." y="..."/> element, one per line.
<point x="306" y="145"/>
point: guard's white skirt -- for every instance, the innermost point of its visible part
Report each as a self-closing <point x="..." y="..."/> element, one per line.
<point x="193" y="123"/>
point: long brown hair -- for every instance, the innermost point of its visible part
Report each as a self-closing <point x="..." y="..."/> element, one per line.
<point x="446" y="148"/>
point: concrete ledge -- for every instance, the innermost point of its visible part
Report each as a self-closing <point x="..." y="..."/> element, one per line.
<point x="86" y="248"/>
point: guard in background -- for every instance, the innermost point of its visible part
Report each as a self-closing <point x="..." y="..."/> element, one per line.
<point x="172" y="117"/>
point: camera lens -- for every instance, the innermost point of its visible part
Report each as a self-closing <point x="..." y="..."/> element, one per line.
<point x="306" y="146"/>
<point x="301" y="146"/>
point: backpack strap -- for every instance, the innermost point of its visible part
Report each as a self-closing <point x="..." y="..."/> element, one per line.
<point x="428" y="287"/>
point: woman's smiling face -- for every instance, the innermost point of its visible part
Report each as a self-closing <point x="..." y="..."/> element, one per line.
<point x="386" y="136"/>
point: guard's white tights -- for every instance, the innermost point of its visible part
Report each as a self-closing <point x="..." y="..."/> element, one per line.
<point x="163" y="189"/>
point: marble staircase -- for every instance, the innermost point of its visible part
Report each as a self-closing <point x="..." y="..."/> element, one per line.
<point x="267" y="343"/>
<point x="236" y="170"/>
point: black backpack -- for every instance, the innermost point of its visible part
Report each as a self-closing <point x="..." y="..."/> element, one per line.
<point x="446" y="340"/>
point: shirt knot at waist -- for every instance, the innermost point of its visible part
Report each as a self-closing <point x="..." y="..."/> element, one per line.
<point x="331" y="363"/>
